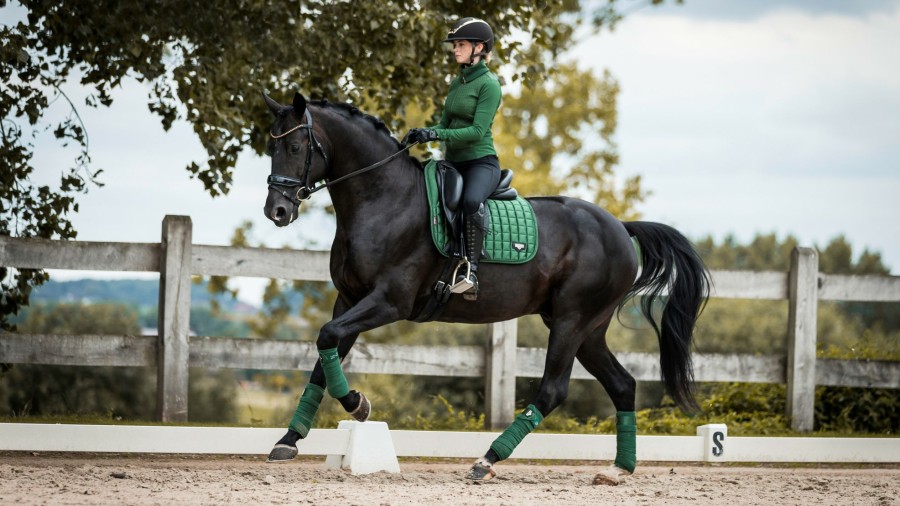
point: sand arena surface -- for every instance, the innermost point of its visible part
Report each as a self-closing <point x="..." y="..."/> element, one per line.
<point x="26" y="478"/>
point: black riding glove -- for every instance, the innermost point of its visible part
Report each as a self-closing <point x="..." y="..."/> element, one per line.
<point x="420" y="135"/>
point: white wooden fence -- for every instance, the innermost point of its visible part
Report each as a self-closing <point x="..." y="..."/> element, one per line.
<point x="500" y="362"/>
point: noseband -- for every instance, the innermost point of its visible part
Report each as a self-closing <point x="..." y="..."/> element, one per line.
<point x="282" y="184"/>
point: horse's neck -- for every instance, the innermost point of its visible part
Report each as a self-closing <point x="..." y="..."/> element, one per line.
<point x="379" y="195"/>
<point x="380" y="198"/>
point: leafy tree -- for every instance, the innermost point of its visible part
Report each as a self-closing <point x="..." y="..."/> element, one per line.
<point x="207" y="63"/>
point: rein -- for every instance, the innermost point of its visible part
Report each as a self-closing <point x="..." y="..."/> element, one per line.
<point x="282" y="183"/>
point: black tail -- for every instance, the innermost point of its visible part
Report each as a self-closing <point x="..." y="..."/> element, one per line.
<point x="670" y="263"/>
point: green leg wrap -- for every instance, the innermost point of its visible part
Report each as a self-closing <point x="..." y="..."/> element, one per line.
<point x="334" y="375"/>
<point x="306" y="409"/>
<point x="626" y="440"/>
<point x="524" y="423"/>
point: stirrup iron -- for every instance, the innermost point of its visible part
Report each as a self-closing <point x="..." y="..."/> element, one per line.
<point x="463" y="285"/>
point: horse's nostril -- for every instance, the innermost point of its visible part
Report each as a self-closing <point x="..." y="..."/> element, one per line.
<point x="280" y="213"/>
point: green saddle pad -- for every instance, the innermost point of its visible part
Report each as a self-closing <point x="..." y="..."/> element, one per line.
<point x="512" y="238"/>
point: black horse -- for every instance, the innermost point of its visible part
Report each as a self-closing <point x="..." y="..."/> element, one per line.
<point x="384" y="266"/>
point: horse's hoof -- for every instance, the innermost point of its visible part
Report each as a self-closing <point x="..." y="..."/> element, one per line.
<point x="361" y="413"/>
<point x="613" y="475"/>
<point x="281" y="453"/>
<point x="481" y="471"/>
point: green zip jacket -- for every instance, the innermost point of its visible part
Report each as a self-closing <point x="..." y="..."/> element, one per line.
<point x="472" y="102"/>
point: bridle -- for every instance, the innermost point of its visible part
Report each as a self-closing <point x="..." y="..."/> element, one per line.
<point x="282" y="184"/>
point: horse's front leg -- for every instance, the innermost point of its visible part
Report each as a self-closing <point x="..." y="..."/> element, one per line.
<point x="308" y="405"/>
<point x="336" y="338"/>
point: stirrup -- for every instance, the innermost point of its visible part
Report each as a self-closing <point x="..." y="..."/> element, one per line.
<point x="465" y="284"/>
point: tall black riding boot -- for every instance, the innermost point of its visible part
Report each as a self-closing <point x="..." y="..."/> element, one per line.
<point x="475" y="228"/>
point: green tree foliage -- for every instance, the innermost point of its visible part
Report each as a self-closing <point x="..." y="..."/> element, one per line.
<point x="45" y="390"/>
<point x="843" y="409"/>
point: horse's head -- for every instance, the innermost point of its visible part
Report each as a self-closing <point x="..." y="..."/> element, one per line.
<point x="298" y="160"/>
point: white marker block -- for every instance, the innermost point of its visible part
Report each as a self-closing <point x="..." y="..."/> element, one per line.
<point x="369" y="450"/>
<point x="714" y="439"/>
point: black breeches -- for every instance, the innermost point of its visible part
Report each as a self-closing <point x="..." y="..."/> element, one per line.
<point x="480" y="179"/>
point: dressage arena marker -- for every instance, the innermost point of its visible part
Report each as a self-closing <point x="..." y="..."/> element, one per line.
<point x="324" y="442"/>
<point x="369" y="450"/>
<point x="714" y="436"/>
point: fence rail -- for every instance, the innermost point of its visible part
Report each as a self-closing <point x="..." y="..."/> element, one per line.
<point x="500" y="362"/>
<point x="454" y="361"/>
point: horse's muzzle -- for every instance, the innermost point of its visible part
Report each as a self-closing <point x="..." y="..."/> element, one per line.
<point x="280" y="211"/>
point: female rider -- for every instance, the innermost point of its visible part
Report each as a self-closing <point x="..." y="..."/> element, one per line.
<point x="465" y="130"/>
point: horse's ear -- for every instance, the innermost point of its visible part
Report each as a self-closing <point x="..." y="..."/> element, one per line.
<point x="274" y="106"/>
<point x="299" y="105"/>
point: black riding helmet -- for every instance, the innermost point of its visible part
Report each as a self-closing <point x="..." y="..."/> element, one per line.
<point x="472" y="29"/>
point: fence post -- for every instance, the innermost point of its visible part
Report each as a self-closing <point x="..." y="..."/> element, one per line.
<point x="174" y="319"/>
<point x="500" y="375"/>
<point x="801" y="365"/>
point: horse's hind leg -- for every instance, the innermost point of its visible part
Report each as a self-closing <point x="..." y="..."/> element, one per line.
<point x="565" y="338"/>
<point x="595" y="356"/>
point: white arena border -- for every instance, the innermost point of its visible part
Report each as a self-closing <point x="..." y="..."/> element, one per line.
<point x="258" y="441"/>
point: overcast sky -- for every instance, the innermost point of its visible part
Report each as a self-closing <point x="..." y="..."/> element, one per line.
<point x="742" y="118"/>
<point x="763" y="116"/>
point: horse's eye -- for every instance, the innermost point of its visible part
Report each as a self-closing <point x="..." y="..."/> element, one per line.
<point x="295" y="148"/>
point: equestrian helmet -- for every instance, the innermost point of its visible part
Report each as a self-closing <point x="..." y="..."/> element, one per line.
<point x="472" y="29"/>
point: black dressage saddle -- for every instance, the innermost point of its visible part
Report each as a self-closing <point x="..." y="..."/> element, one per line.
<point x="450" y="188"/>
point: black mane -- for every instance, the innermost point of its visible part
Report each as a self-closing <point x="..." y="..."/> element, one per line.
<point x="351" y="112"/>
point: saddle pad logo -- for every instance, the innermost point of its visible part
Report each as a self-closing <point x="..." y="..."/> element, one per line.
<point x="518" y="246"/>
